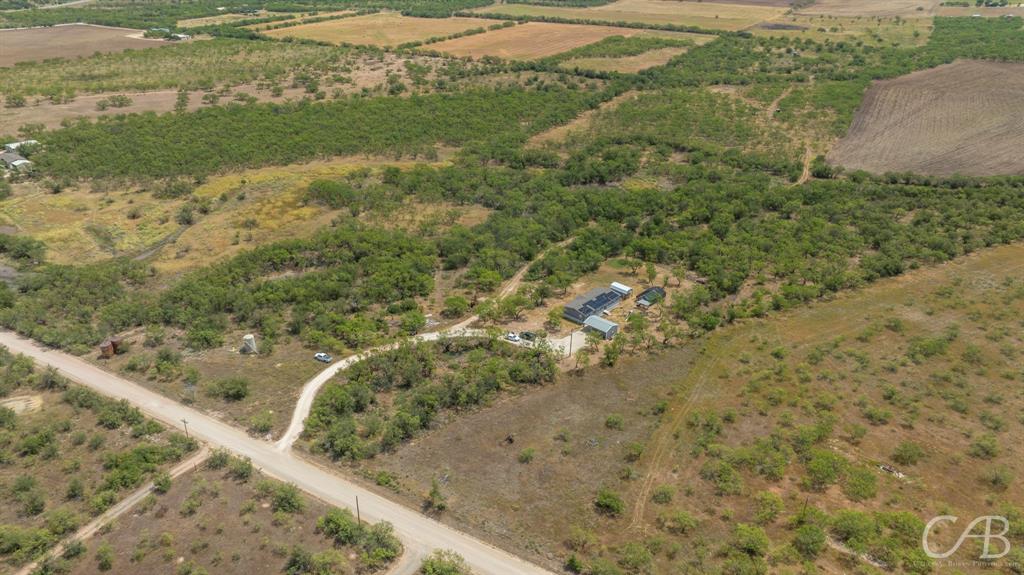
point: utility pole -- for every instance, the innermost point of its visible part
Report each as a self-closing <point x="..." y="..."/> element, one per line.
<point x="359" y="515"/>
<point x="185" y="421"/>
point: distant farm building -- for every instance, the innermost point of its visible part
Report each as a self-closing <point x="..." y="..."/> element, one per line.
<point x="13" y="146"/>
<point x="650" y="296"/>
<point x="591" y="303"/>
<point x="14" y="161"/>
<point x="606" y="328"/>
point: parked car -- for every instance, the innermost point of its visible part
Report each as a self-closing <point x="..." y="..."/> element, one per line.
<point x="528" y="335"/>
<point x="512" y="336"/>
<point x="321" y="356"/>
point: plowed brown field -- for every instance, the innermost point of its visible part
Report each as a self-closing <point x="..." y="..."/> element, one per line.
<point x="962" y="118"/>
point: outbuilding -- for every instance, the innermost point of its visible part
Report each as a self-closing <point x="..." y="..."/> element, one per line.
<point x="650" y="296"/>
<point x="13" y="146"/>
<point x="14" y="161"/>
<point x="622" y="289"/>
<point x="606" y="328"/>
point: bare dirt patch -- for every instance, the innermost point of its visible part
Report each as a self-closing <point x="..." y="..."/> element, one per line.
<point x="538" y="39"/>
<point x="383" y="29"/>
<point x="578" y="124"/>
<point x="23" y="403"/>
<point x="959" y="118"/>
<point x="68" y="41"/>
<point x="903" y="8"/>
<point x="709" y="15"/>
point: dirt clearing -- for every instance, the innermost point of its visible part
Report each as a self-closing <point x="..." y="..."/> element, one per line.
<point x="627" y="64"/>
<point x="960" y="118"/>
<point x="709" y="15"/>
<point x="384" y="29"/>
<point x="538" y="40"/>
<point x="68" y="41"/>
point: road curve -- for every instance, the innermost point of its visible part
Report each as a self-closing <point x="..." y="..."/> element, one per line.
<point x="419" y="533"/>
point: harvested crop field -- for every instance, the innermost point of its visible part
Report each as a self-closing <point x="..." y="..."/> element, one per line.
<point x="538" y="40"/>
<point x="709" y="15"/>
<point x="872" y="8"/>
<point x="627" y="64"/>
<point x="959" y="118"/>
<point x="384" y="29"/>
<point x="68" y="41"/>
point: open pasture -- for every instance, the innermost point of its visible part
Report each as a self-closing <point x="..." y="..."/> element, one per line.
<point x="873" y="8"/>
<point x="538" y="40"/>
<point x="880" y="31"/>
<point x="710" y="15"/>
<point x="627" y="64"/>
<point x="67" y="41"/>
<point x="383" y="29"/>
<point x="959" y="118"/>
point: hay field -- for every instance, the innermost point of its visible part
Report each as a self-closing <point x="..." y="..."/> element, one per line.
<point x="960" y="118"/>
<point x="68" y="41"/>
<point x="710" y="15"/>
<point x="627" y="64"/>
<point x="534" y="40"/>
<point x="872" y="8"/>
<point x="383" y="29"/>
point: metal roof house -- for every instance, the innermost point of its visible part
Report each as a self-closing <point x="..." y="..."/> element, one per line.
<point x="650" y="296"/>
<point x="14" y="161"/>
<point x="591" y="303"/>
<point x="606" y="328"/>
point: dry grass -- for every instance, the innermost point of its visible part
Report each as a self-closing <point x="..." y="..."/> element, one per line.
<point x="382" y="29"/>
<point x="233" y="532"/>
<point x="709" y="15"/>
<point x="986" y="12"/>
<point x="881" y="31"/>
<point x="871" y="8"/>
<point x="959" y="118"/>
<point x="627" y="64"/>
<point x="534" y="40"/>
<point x="68" y="41"/>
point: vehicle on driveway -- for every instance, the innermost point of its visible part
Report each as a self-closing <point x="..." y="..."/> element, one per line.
<point x="512" y="336"/>
<point x="323" y="357"/>
<point x="528" y="336"/>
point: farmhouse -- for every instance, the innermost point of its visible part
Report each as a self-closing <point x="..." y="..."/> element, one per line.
<point x="606" y="328"/>
<point x="650" y="296"/>
<point x="591" y="303"/>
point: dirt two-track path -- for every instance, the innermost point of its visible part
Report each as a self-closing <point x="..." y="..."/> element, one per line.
<point x="420" y="534"/>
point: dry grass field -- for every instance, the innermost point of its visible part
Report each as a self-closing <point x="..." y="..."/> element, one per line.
<point x="882" y="31"/>
<point x="626" y="64"/>
<point x="68" y="41"/>
<point x="383" y="29"/>
<point x="534" y="40"/>
<point x="959" y="118"/>
<point x="873" y="8"/>
<point x="233" y="530"/>
<point x="1014" y="9"/>
<point x="874" y="360"/>
<point x="710" y="15"/>
<point x="220" y="19"/>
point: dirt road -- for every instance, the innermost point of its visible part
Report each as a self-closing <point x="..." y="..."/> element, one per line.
<point x="419" y="533"/>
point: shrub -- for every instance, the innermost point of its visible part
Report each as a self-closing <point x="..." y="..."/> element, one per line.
<point x="676" y="522"/>
<point x="442" y="562"/>
<point x="860" y="484"/>
<point x="663" y="494"/>
<point x="809" y="540"/>
<point x="162" y="482"/>
<point x="230" y="389"/>
<point x="526" y="455"/>
<point x="769" y="506"/>
<point x="985" y="447"/>
<point x="751" y="540"/>
<point x="908" y="453"/>
<point x="614" y="421"/>
<point x="609" y="503"/>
